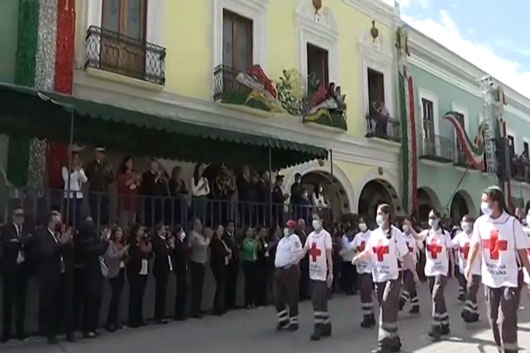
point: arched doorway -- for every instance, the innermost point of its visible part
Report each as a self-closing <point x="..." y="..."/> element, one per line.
<point x="427" y="200"/>
<point x="374" y="193"/>
<point x="334" y="192"/>
<point x="460" y="207"/>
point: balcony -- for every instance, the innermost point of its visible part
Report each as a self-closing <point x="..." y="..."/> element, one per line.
<point x="384" y="129"/>
<point x="114" y="52"/>
<point x="520" y="169"/>
<point x="437" y="148"/>
<point x="227" y="88"/>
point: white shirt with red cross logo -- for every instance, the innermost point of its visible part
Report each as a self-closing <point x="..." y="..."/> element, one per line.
<point x="526" y="275"/>
<point x="359" y="243"/>
<point x="385" y="249"/>
<point x="462" y="243"/>
<point x="499" y="239"/>
<point x="437" y="243"/>
<point x="316" y="245"/>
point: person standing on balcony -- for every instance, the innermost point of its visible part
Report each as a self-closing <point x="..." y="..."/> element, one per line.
<point x="318" y="197"/>
<point x="254" y="198"/>
<point x="198" y="242"/>
<point x="178" y="191"/>
<point x="155" y="190"/>
<point x="223" y="191"/>
<point x="16" y="240"/>
<point x="499" y="241"/>
<point x="128" y="183"/>
<point x="73" y="192"/>
<point x="264" y="188"/>
<point x="99" y="174"/>
<point x="296" y="190"/>
<point x="243" y="185"/>
<point x="200" y="190"/>
<point x="278" y="198"/>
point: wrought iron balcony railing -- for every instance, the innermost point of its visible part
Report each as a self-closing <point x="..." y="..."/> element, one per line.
<point x="226" y="86"/>
<point x="520" y="168"/>
<point x="437" y="148"/>
<point x="118" y="53"/>
<point x="385" y="129"/>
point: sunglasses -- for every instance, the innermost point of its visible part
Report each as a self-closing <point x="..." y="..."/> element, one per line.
<point x="18" y="214"/>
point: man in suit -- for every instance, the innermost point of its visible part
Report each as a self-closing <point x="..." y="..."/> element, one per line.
<point x="15" y="240"/>
<point x="278" y="198"/>
<point x="154" y="187"/>
<point x="99" y="174"/>
<point x="232" y="268"/>
<point x="55" y="271"/>
<point x="163" y="245"/>
<point x="181" y="254"/>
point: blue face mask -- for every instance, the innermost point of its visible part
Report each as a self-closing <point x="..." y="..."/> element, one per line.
<point x="433" y="222"/>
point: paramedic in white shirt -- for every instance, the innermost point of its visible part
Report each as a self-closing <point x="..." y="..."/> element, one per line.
<point x="499" y="242"/>
<point x="409" y="292"/>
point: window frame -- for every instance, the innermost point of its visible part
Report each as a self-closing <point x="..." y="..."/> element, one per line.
<point x="235" y="17"/>
<point x="325" y="66"/>
<point x="122" y="18"/>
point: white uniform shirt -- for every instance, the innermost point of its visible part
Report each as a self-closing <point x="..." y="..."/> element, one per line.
<point x="359" y="242"/>
<point x="287" y="251"/>
<point x="462" y="242"/>
<point x="526" y="275"/>
<point x="316" y="245"/>
<point x="348" y="249"/>
<point x="385" y="253"/>
<point x="437" y="243"/>
<point x="499" y="239"/>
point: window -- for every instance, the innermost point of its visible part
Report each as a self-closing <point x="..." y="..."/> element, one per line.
<point x="237" y="41"/>
<point x="317" y="64"/>
<point x="123" y="36"/>
<point x="428" y="118"/>
<point x="376" y="88"/>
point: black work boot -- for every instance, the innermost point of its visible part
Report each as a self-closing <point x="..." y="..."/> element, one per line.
<point x="435" y="333"/>
<point x="326" y="330"/>
<point x="445" y="330"/>
<point x="317" y="333"/>
<point x="415" y="309"/>
<point x="282" y="325"/>
<point x="368" y="321"/>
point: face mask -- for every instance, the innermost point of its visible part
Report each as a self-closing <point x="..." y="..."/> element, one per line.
<point x="466" y="227"/>
<point x="433" y="222"/>
<point x="379" y="220"/>
<point x="182" y="236"/>
<point x="406" y="229"/>
<point x="363" y="227"/>
<point x="286" y="232"/>
<point x="317" y="224"/>
<point x="528" y="220"/>
<point x="486" y="209"/>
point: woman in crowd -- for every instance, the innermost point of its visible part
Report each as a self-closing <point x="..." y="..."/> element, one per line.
<point x="318" y="197"/>
<point x="74" y="191"/>
<point x="114" y="259"/>
<point x="219" y="257"/>
<point x="200" y="189"/>
<point x="178" y="190"/>
<point x="198" y="242"/>
<point x="137" y="272"/>
<point x="128" y="184"/>
<point x="499" y="241"/>
<point x="181" y="256"/>
<point x="262" y="267"/>
<point x="249" y="256"/>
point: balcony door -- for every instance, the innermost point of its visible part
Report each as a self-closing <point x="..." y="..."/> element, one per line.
<point x="429" y="139"/>
<point x="237" y="41"/>
<point x="123" y="44"/>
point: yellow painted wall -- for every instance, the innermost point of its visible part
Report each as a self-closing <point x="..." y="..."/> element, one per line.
<point x="188" y="39"/>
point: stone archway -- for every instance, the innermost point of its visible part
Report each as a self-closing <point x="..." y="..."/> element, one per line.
<point x="427" y="200"/>
<point x="461" y="205"/>
<point x="374" y="193"/>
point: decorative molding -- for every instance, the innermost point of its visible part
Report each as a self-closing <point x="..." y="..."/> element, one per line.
<point x="376" y="9"/>
<point x="319" y="29"/>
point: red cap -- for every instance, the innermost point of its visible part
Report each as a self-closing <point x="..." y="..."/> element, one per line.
<point x="290" y="224"/>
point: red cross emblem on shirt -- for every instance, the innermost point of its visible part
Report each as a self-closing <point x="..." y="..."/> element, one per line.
<point x="362" y="246"/>
<point x="464" y="251"/>
<point x="314" y="252"/>
<point x="494" y="245"/>
<point x="434" y="249"/>
<point x="380" y="250"/>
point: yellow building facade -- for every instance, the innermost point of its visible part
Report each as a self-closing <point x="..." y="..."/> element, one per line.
<point x="349" y="43"/>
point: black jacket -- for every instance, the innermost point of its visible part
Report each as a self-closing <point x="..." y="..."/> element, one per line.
<point x="153" y="185"/>
<point x="243" y="189"/>
<point x="162" y="254"/>
<point x="136" y="255"/>
<point x="181" y="255"/>
<point x="230" y="241"/>
<point x="218" y="253"/>
<point x="98" y="176"/>
<point x="13" y="243"/>
<point x="91" y="249"/>
<point x="49" y="254"/>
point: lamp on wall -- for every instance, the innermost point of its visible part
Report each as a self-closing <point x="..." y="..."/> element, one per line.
<point x="317" y="4"/>
<point x="374" y="31"/>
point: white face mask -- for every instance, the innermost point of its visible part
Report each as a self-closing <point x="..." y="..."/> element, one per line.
<point x="317" y="224"/>
<point x="486" y="209"/>
<point x="182" y="236"/>
<point x="433" y="222"/>
<point x="363" y="227"/>
<point x="379" y="220"/>
<point x="286" y="232"/>
<point x="466" y="227"/>
<point x="406" y="229"/>
<point x="528" y="220"/>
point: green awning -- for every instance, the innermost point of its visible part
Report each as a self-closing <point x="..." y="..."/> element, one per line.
<point x="28" y="112"/>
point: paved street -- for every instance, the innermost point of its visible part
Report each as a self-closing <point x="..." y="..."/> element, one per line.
<point x="253" y="331"/>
